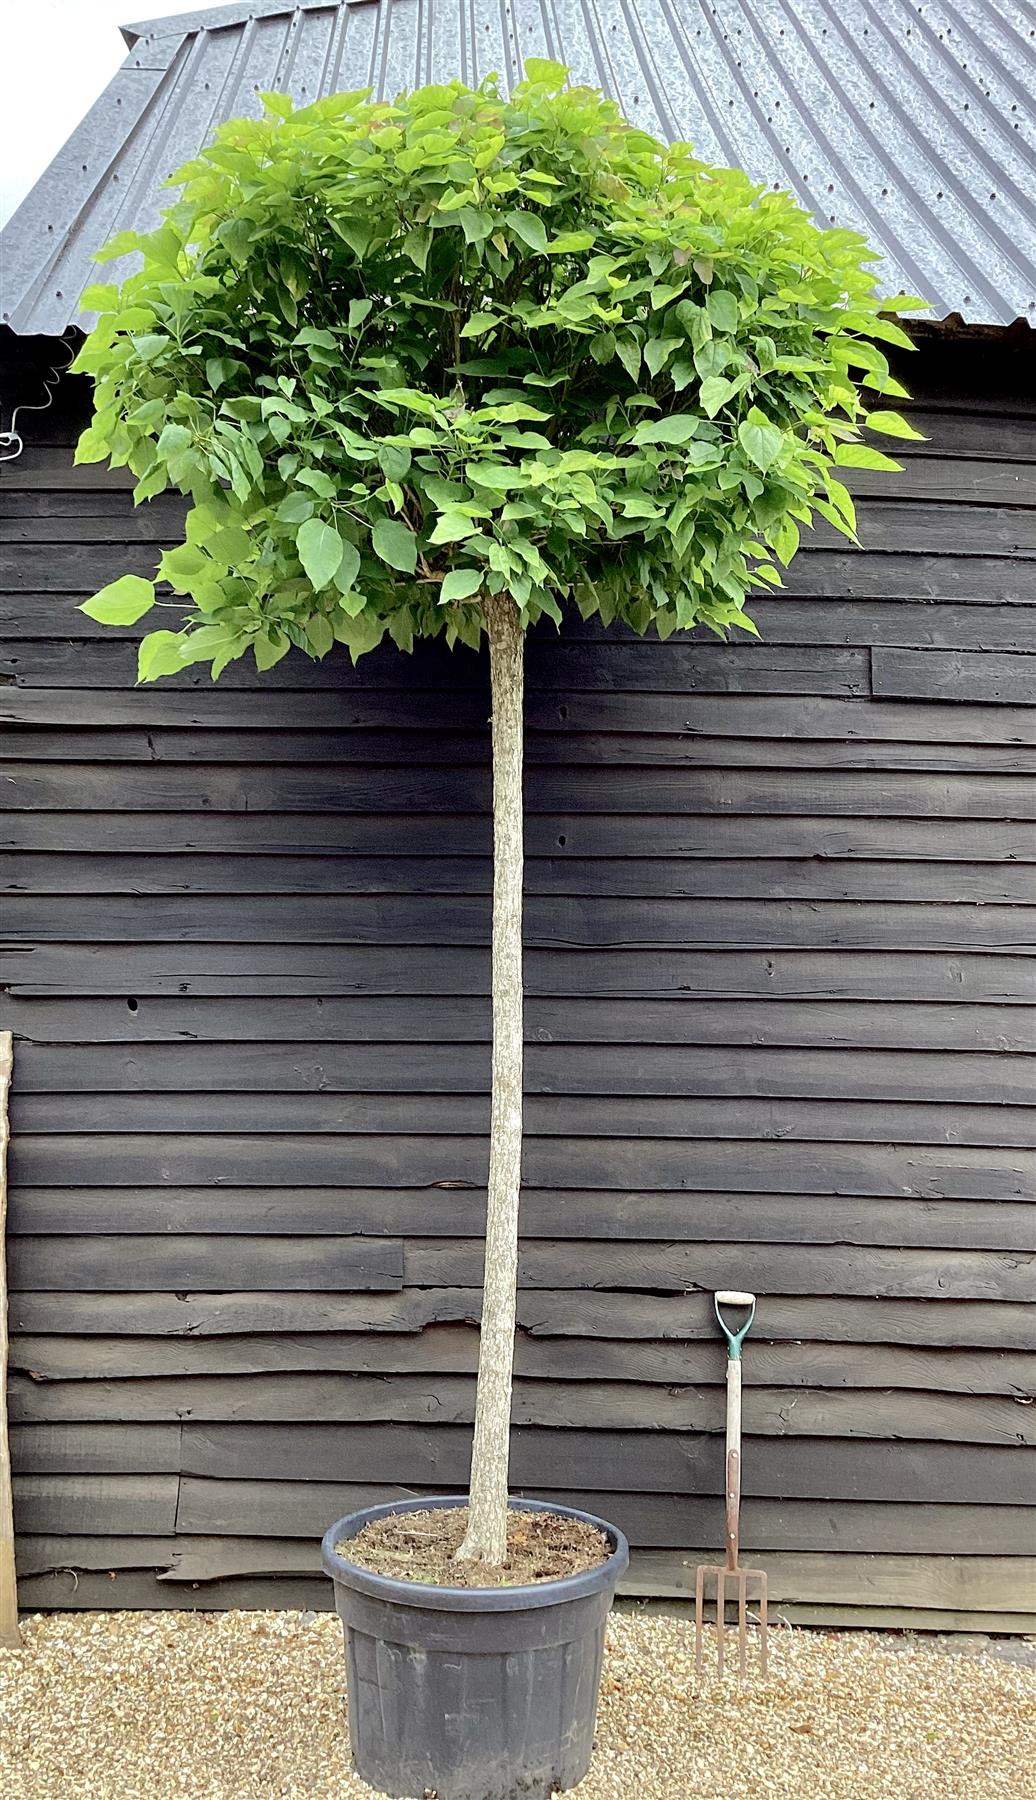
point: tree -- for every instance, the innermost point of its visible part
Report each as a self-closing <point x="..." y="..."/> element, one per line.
<point x="446" y="366"/>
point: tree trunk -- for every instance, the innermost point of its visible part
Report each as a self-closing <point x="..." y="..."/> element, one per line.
<point x="486" y="1537"/>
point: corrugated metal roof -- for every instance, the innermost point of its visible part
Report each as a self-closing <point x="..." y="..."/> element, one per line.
<point x="912" y="122"/>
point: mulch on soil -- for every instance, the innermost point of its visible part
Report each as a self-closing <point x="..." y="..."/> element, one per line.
<point x="422" y="1546"/>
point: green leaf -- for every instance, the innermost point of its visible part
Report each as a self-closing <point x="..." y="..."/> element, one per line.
<point x="360" y="634"/>
<point x="269" y="648"/>
<point x="417" y="244"/>
<point x="319" y="482"/>
<point x="319" y="634"/>
<point x="722" y="309"/>
<point x="353" y="233"/>
<point x="358" y="311"/>
<point x="320" y="551"/>
<point x="628" y="352"/>
<point x="552" y="76"/>
<point x="658" y="350"/>
<point x="863" y="456"/>
<point x="122" y="602"/>
<point x="678" y="428"/>
<point x="100" y="297"/>
<point x="478" y="324"/>
<point x="499" y="476"/>
<point x="394" y="461"/>
<point x="890" y="424"/>
<point x="396" y="544"/>
<point x="530" y="228"/>
<point x="458" y="584"/>
<point x="294" y="508"/>
<point x="173" y="440"/>
<point x="159" y="654"/>
<point x="452" y="526"/>
<point x="714" y="393"/>
<point x="324" y="340"/>
<point x="760" y="442"/>
<point x="348" y="568"/>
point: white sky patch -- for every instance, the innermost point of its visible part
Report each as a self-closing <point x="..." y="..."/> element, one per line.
<point x="57" y="56"/>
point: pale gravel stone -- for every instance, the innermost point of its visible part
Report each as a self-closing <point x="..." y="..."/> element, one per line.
<point x="250" y="1706"/>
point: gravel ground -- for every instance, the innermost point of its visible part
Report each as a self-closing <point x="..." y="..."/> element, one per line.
<point x="249" y="1706"/>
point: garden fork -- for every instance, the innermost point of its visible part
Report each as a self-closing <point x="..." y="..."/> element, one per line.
<point x="731" y="1569"/>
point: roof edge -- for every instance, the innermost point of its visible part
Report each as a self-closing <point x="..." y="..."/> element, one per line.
<point x="215" y="17"/>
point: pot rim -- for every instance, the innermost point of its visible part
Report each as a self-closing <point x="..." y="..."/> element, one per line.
<point x="470" y="1599"/>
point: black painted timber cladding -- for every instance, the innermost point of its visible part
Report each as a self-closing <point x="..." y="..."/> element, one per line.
<point x="780" y="927"/>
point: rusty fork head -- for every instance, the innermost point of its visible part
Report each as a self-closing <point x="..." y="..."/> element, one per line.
<point x="743" y="1587"/>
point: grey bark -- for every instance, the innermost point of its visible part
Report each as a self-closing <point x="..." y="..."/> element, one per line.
<point x="486" y="1536"/>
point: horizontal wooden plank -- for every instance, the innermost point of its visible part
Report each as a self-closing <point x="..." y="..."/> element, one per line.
<point x="777" y="1268"/>
<point x="1006" y="622"/>
<point x="837" y="598"/>
<point x="187" y="1261"/>
<point x="962" y="1172"/>
<point x="557" y="1213"/>
<point x="304" y="840"/>
<point x="905" y="524"/>
<point x="951" y="479"/>
<point x="775" y="878"/>
<point x="41" y="1555"/>
<point x="453" y="1349"/>
<point x="557" y="921"/>
<point x="954" y="674"/>
<point x="400" y="790"/>
<point x="133" y="746"/>
<point x="100" y="1504"/>
<point x="951" y="1582"/>
<point x="172" y="716"/>
<point x="95" y="1449"/>
<point x="300" y="1509"/>
<point x="650" y="1462"/>
<point x="542" y="1313"/>
<point x="650" y="667"/>
<point x="560" y="1405"/>
<point x="91" y="1590"/>
<point x="47" y="466"/>
<point x="828" y="1617"/>
<point x="609" y="973"/>
<point x="466" y="1019"/>
<point x="601" y="1069"/>
<point x="622" y="1116"/>
<point x="86" y="552"/>
<point x="135" y="1264"/>
<point x="956" y="1583"/>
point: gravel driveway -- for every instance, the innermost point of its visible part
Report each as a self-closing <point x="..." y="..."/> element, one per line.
<point x="249" y="1706"/>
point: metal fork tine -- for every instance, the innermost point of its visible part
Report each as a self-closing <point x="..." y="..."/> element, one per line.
<point x="699" y="1617"/>
<point x="721" y="1618"/>
<point x="763" y="1626"/>
<point x="742" y="1624"/>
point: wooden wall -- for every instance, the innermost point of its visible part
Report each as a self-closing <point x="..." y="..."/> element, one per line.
<point x="779" y="923"/>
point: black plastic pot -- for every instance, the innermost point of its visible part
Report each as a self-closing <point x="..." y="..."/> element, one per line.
<point x="472" y="1693"/>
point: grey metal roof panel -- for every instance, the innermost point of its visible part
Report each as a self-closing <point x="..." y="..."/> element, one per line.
<point x="913" y="121"/>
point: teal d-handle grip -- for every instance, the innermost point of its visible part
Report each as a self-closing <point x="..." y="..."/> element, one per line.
<point x="734" y="1297"/>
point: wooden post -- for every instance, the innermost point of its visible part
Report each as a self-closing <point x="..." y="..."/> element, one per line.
<point x="10" y="1636"/>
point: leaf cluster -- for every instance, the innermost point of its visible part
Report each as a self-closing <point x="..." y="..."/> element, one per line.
<point x="405" y="355"/>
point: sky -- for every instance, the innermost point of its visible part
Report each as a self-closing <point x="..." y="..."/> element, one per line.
<point x="57" y="56"/>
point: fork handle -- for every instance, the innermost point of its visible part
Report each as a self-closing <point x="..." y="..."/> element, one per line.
<point x="732" y="1462"/>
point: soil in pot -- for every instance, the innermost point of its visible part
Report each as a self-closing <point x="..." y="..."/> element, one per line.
<point x="422" y="1546"/>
